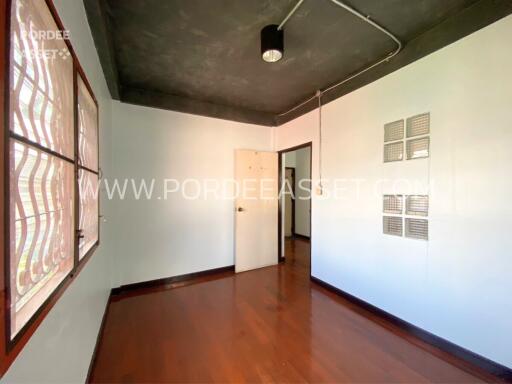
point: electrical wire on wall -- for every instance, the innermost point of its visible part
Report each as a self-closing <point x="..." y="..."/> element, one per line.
<point x="319" y="93"/>
<point x="365" y="18"/>
<point x="320" y="185"/>
<point x="429" y="191"/>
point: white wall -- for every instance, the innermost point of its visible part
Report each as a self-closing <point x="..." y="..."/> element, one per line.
<point x="61" y="348"/>
<point x="290" y="159"/>
<point x="299" y="159"/>
<point x="458" y="284"/>
<point x="162" y="238"/>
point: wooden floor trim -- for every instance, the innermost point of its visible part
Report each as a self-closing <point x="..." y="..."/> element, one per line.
<point x="170" y="280"/>
<point x="99" y="338"/>
<point x="150" y="334"/>
<point x="159" y="283"/>
<point x="464" y="359"/>
<point x="303" y="237"/>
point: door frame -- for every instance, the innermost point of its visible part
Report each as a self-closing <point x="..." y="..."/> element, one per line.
<point x="280" y="179"/>
<point x="293" y="198"/>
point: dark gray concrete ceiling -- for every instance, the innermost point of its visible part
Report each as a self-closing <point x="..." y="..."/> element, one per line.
<point x="203" y="56"/>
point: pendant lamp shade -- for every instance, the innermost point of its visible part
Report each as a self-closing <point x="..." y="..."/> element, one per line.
<point x="272" y="43"/>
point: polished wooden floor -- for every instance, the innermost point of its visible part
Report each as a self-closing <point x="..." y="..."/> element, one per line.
<point x="268" y="325"/>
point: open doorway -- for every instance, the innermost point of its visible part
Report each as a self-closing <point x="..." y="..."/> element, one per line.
<point x="295" y="173"/>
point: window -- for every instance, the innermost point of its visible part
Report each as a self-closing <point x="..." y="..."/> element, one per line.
<point x="88" y="168"/>
<point x="53" y="164"/>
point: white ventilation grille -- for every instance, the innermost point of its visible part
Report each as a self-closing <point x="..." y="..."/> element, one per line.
<point x="418" y="148"/>
<point x="416" y="228"/>
<point x="394" y="131"/>
<point x="416" y="205"/>
<point x="393" y="204"/>
<point x="418" y="125"/>
<point x="393" y="152"/>
<point x="392" y="226"/>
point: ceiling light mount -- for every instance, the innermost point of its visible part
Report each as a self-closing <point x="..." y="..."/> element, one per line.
<point x="272" y="43"/>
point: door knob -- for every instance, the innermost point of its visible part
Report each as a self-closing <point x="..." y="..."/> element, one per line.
<point x="240" y="209"/>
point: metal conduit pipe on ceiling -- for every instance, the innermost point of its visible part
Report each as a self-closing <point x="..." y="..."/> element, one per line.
<point x="367" y="20"/>
<point x="290" y="14"/>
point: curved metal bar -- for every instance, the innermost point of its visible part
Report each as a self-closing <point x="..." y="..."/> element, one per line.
<point x="357" y="74"/>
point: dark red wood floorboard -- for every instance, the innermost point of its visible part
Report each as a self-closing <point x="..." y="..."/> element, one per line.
<point x="268" y="325"/>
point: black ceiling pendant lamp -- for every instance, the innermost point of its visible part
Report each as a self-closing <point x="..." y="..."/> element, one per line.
<point x="272" y="43"/>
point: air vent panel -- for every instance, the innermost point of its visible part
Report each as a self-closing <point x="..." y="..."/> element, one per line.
<point x="392" y="226"/>
<point x="416" y="229"/>
<point x="418" y="125"/>
<point x="393" y="204"/>
<point x="393" y="152"/>
<point x="394" y="131"/>
<point x="418" y="148"/>
<point x="416" y="205"/>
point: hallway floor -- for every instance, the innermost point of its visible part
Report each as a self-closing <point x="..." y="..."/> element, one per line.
<point x="267" y="325"/>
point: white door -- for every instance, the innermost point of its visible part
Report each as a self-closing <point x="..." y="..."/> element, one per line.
<point x="256" y="209"/>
